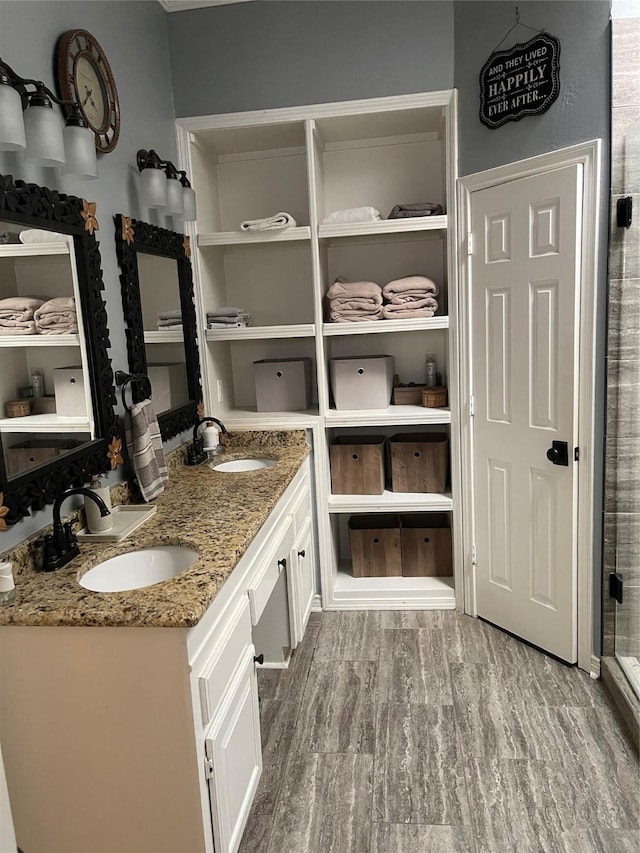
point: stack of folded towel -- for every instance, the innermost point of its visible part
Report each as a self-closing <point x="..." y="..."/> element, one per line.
<point x="423" y="208"/>
<point x="353" y="214"/>
<point x="226" y="318"/>
<point x="277" y="222"/>
<point x="354" y="301"/>
<point x="412" y="296"/>
<point x="170" y="321"/>
<point x="57" y="316"/>
<point x="16" y="315"/>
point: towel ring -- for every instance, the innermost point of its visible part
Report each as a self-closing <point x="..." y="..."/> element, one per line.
<point x="124" y="379"/>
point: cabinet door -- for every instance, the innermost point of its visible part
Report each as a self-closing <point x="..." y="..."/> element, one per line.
<point x="234" y="757"/>
<point x="301" y="577"/>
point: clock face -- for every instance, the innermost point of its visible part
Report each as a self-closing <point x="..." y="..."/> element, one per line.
<point x="90" y="93"/>
<point x="84" y="76"/>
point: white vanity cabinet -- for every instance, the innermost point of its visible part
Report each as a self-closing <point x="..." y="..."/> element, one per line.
<point x="143" y="739"/>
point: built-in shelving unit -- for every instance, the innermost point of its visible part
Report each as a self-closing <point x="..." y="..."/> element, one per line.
<point x="310" y="162"/>
<point x="44" y="270"/>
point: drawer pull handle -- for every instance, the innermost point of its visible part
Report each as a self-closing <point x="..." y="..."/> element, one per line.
<point x="426" y="538"/>
<point x="302" y="553"/>
<point x="375" y="540"/>
<point x="282" y="563"/>
<point x="258" y="659"/>
<point x="355" y="456"/>
<point x="416" y="453"/>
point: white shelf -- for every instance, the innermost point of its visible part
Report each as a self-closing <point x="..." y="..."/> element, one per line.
<point x="240" y="238"/>
<point x="30" y="250"/>
<point x="259" y="333"/>
<point x="392" y="593"/>
<point x="14" y="341"/>
<point x="384" y="226"/>
<point x="251" y="419"/>
<point x="45" y="423"/>
<point x="391" y="502"/>
<point x="369" y="327"/>
<point x="176" y="337"/>
<point x="391" y="416"/>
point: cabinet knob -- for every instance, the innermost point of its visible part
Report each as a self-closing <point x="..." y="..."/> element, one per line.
<point x="282" y="563"/>
<point x="259" y="659"/>
<point x="302" y="553"/>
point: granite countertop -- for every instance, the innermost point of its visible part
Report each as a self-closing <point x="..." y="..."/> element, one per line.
<point x="218" y="514"/>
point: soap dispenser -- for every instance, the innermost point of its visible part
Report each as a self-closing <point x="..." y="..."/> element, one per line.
<point x="7" y="585"/>
<point x="95" y="522"/>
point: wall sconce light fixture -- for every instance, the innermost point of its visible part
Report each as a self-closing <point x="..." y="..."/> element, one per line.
<point x="164" y="187"/>
<point x="29" y="123"/>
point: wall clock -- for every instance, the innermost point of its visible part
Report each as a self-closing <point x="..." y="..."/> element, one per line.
<point x="84" y="76"/>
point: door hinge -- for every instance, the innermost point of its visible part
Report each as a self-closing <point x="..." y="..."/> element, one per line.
<point x="208" y="768"/>
<point x="576" y="454"/>
<point x="472" y="405"/>
<point x="469" y="243"/>
<point x="616" y="584"/>
<point x="474" y="556"/>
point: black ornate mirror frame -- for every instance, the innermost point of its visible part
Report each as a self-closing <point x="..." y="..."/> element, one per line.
<point x="38" y="207"/>
<point x="132" y="237"/>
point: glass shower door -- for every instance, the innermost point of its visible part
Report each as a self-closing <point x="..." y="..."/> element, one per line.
<point x="627" y="624"/>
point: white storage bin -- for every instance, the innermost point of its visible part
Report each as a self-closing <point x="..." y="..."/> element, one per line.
<point x="68" y="387"/>
<point x="362" y="382"/>
<point x="283" y="385"/>
<point x="168" y="385"/>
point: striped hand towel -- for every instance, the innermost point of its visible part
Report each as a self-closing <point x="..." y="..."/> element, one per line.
<point x="144" y="444"/>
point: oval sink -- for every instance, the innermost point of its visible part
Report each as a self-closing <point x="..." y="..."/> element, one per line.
<point x="138" y="569"/>
<point x="236" y="465"/>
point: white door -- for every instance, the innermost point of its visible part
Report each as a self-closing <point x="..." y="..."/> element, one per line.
<point x="525" y="289"/>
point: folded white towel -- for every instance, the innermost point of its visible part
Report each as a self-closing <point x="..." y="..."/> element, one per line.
<point x="174" y="314"/>
<point x="57" y="316"/>
<point x="28" y="328"/>
<point x="353" y="214"/>
<point x="36" y="235"/>
<point x="225" y="311"/>
<point x="20" y="304"/>
<point x="144" y="444"/>
<point x="277" y="222"/>
<point x="237" y="324"/>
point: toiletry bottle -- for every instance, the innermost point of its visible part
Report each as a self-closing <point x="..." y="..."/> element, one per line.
<point x="95" y="522"/>
<point x="37" y="383"/>
<point x="211" y="436"/>
<point x="431" y="371"/>
<point x="7" y="586"/>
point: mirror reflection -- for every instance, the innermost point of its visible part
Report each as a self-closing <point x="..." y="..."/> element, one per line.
<point x="45" y="405"/>
<point x="163" y="331"/>
<point x="162" y="337"/>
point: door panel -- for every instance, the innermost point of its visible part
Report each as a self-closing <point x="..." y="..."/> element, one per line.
<point x="524" y="372"/>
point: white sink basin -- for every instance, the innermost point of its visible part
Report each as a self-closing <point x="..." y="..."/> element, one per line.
<point x="236" y="465"/>
<point x="138" y="569"/>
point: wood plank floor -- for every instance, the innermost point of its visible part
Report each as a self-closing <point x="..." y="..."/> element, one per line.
<point x="432" y="732"/>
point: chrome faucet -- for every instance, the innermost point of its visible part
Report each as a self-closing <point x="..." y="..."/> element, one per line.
<point x="61" y="546"/>
<point x="195" y="451"/>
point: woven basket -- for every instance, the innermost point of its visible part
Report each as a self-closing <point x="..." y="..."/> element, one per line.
<point x="17" y="408"/>
<point x="434" y="398"/>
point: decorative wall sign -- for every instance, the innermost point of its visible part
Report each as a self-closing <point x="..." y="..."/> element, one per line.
<point x="521" y="81"/>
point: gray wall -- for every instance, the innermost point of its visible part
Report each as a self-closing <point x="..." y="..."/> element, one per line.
<point x="251" y="56"/>
<point x="134" y="37"/>
<point x="582" y="109"/>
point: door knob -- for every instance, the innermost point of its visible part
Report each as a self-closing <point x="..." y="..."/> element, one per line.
<point x="282" y="564"/>
<point x="259" y="659"/>
<point x="302" y="553"/>
<point x="558" y="453"/>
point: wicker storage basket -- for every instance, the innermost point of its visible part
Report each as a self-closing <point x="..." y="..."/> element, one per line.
<point x="17" y="408"/>
<point x="434" y="398"/>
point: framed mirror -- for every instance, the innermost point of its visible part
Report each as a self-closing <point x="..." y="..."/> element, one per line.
<point x="162" y="337"/>
<point x="58" y="423"/>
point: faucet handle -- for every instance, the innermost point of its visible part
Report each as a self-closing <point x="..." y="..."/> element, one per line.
<point x="69" y="535"/>
<point x="50" y="557"/>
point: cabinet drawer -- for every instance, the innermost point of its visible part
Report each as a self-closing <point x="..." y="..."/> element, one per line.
<point x="264" y="580"/>
<point x="301" y="509"/>
<point x="221" y="664"/>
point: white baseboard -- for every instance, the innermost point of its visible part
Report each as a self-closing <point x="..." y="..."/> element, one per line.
<point x="316" y="607"/>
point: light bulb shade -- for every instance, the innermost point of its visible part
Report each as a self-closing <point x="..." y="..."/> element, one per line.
<point x="174" y="196"/>
<point x="80" y="152"/>
<point x="153" y="184"/>
<point x="189" y="203"/>
<point x="12" y="137"/>
<point x="43" y="129"/>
